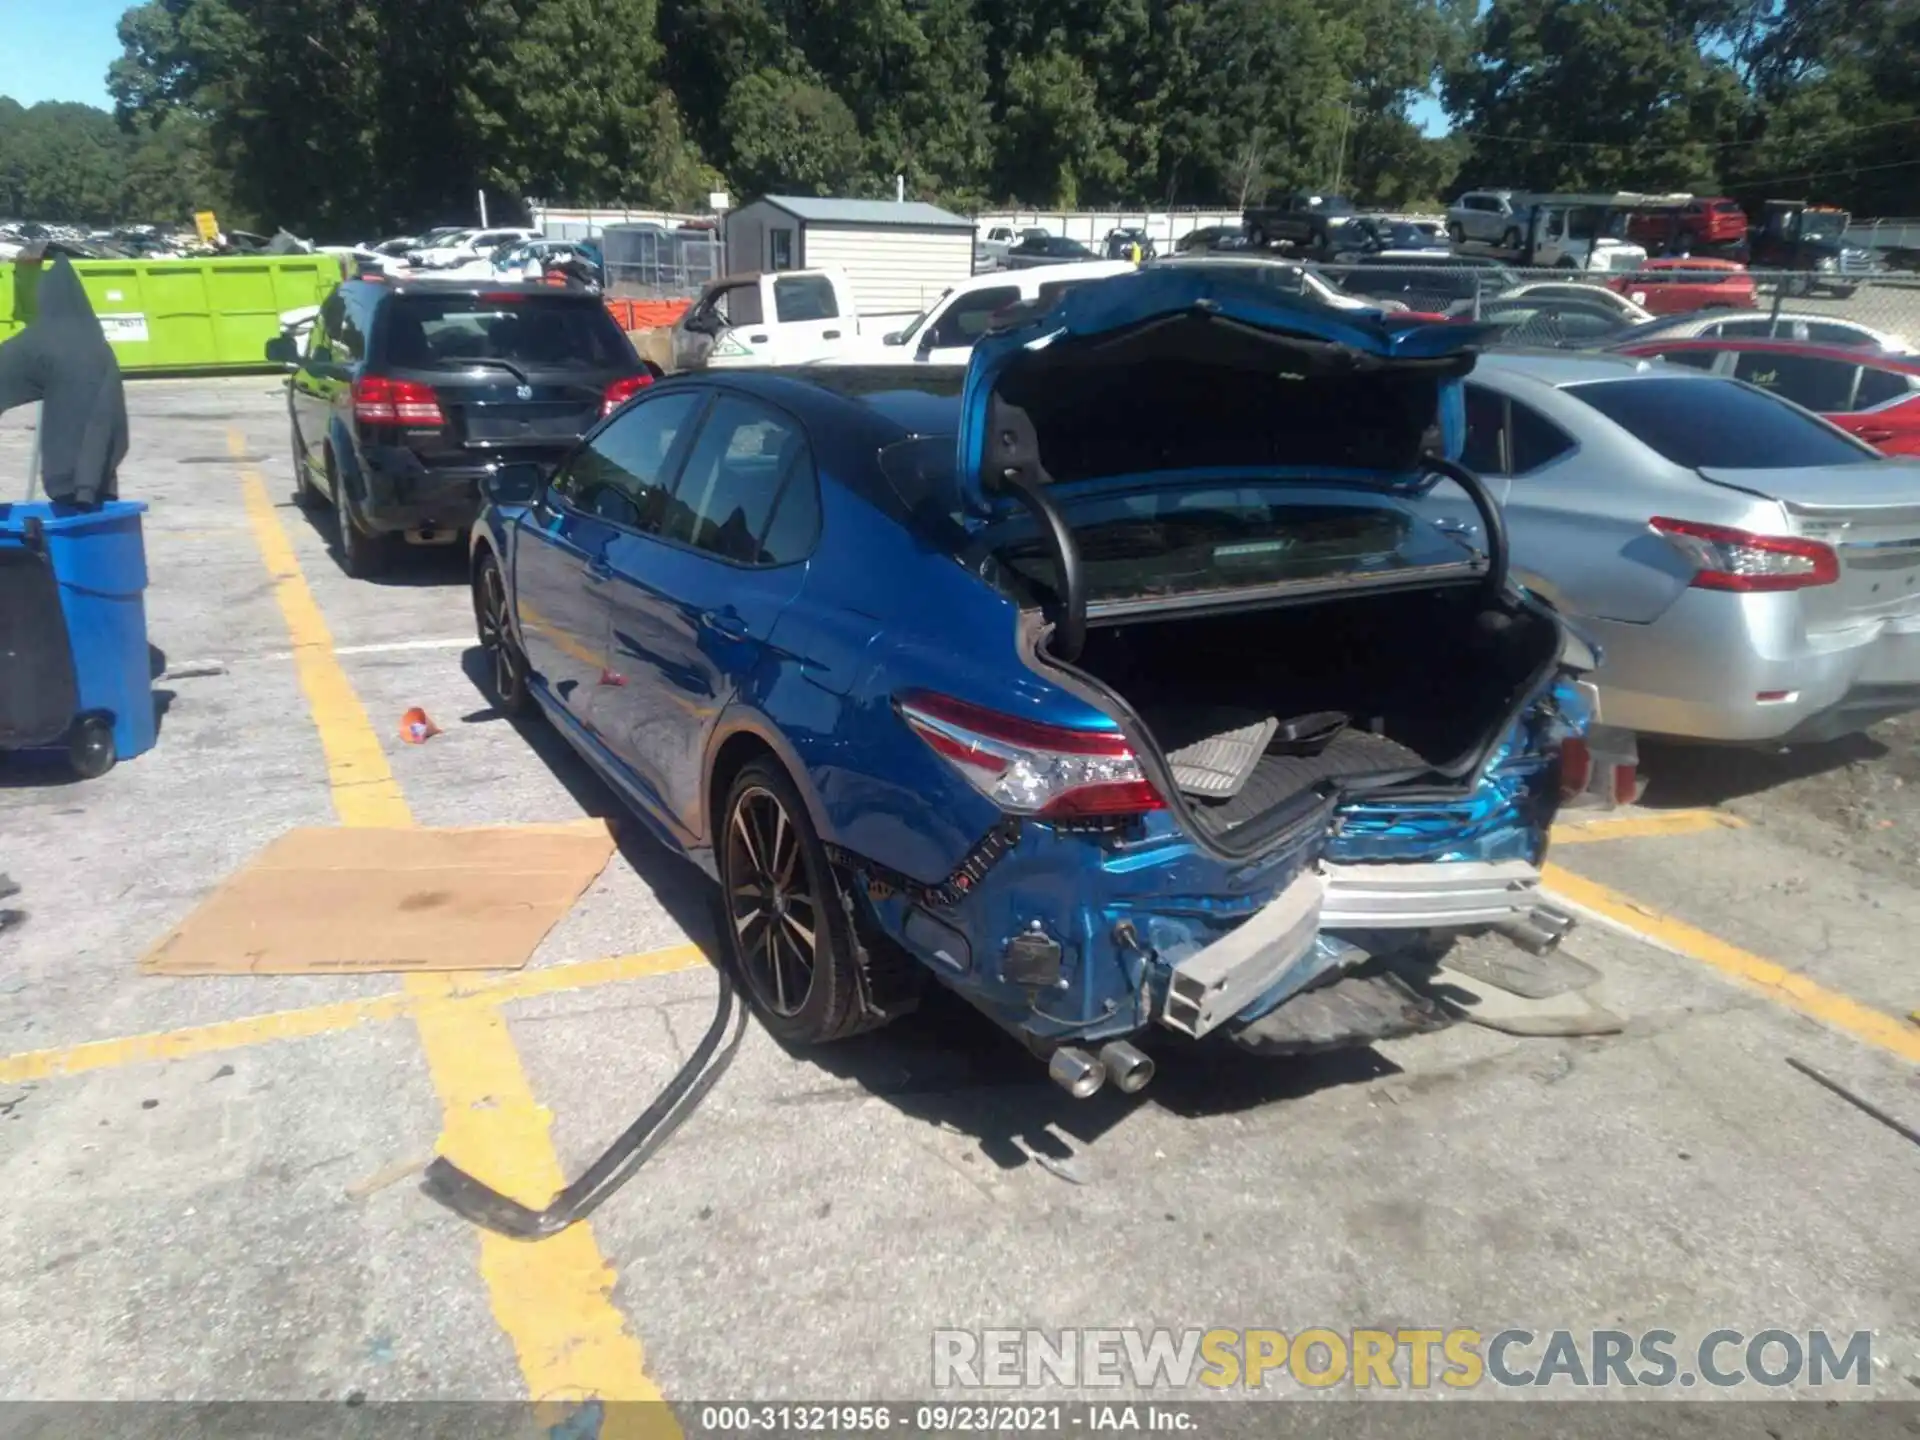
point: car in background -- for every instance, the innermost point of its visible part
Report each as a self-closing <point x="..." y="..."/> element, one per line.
<point x="526" y="260"/>
<point x="405" y="394"/>
<point x="1749" y="572"/>
<point x="991" y="248"/>
<point x="1384" y="236"/>
<point x="975" y="676"/>
<point x="447" y="251"/>
<point x="1302" y="220"/>
<point x="1212" y="237"/>
<point x="1289" y="277"/>
<point x="1676" y="286"/>
<point x="1434" y="289"/>
<point x="944" y="333"/>
<point x="1619" y="304"/>
<point x="1490" y="217"/>
<point x="1119" y="244"/>
<point x="1046" y="250"/>
<point x="771" y="317"/>
<point x="1548" y="320"/>
<point x="1758" y="324"/>
<point x="1710" y="222"/>
<point x="1873" y="396"/>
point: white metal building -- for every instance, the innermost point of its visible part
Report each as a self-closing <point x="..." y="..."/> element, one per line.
<point x="900" y="255"/>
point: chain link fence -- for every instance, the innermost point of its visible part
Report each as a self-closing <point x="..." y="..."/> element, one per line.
<point x="1557" y="307"/>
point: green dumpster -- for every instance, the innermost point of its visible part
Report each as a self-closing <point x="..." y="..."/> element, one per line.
<point x="200" y="315"/>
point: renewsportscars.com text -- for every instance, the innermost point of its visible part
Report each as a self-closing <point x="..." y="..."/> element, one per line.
<point x="1458" y="1359"/>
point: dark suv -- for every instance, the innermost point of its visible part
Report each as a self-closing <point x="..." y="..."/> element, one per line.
<point x="407" y="393"/>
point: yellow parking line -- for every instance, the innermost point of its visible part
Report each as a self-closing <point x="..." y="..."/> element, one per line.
<point x="1782" y="986"/>
<point x="1635" y="827"/>
<point x="552" y="1299"/>
<point x="252" y="1030"/>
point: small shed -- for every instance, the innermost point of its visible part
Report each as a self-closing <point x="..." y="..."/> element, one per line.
<point x="900" y="255"/>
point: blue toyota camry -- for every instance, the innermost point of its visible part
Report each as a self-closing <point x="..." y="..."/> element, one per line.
<point x="1119" y="681"/>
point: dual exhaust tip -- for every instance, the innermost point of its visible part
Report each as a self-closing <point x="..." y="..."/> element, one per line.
<point x="1081" y="1074"/>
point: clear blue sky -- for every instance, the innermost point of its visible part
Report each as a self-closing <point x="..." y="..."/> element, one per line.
<point x="58" y="49"/>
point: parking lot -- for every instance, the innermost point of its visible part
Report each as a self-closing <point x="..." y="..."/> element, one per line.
<point x="213" y="1187"/>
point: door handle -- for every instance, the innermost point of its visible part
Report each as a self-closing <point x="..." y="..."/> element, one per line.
<point x="727" y="622"/>
<point x="829" y="334"/>
<point x="1456" y="527"/>
<point x="756" y="339"/>
<point x="1874" y="437"/>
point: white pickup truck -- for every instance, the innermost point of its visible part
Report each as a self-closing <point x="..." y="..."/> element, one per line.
<point x="785" y="317"/>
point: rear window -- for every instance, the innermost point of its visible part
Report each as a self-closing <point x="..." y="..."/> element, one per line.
<point x="1718" y="424"/>
<point x="431" y="332"/>
<point x="1189" y="542"/>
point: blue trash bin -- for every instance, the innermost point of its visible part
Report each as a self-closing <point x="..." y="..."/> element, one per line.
<point x="99" y="563"/>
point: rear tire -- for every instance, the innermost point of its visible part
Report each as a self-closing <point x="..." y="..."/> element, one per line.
<point x="785" y="932"/>
<point x="362" y="555"/>
<point x="1455" y="233"/>
<point x="506" y="662"/>
<point x="1510" y="240"/>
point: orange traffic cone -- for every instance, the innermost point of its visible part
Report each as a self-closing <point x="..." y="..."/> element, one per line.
<point x="416" y="728"/>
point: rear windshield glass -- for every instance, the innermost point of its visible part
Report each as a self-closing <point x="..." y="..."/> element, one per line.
<point x="1191" y="541"/>
<point x="429" y="332"/>
<point x="1719" y="424"/>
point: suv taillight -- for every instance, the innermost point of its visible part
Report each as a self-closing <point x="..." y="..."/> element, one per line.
<point x="380" y="401"/>
<point x="623" y="390"/>
<point x="1027" y="767"/>
<point x="1729" y="559"/>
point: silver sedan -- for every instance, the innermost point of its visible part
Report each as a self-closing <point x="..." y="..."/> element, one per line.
<point x="1750" y="572"/>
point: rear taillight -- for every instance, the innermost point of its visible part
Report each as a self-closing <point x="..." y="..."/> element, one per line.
<point x="623" y="390"/>
<point x="380" y="401"/>
<point x="1027" y="767"/>
<point x="1729" y="559"/>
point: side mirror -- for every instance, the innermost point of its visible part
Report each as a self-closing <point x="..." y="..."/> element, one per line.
<point x="897" y="337"/>
<point x="284" y="351"/>
<point x="520" y="483"/>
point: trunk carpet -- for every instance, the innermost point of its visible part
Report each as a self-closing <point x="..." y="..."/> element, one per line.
<point x="1279" y="777"/>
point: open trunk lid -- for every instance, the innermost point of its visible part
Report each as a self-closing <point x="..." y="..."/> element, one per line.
<point x="1869" y="514"/>
<point x="1177" y="374"/>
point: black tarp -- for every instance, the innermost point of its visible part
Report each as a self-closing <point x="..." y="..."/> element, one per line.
<point x="62" y="359"/>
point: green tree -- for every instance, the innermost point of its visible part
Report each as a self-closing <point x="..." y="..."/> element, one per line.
<point x="788" y="134"/>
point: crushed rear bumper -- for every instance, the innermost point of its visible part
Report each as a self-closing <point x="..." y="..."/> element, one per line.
<point x="1441" y="894"/>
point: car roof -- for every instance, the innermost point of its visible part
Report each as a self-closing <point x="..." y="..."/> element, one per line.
<point x="898" y="400"/>
<point x="1813" y="349"/>
<point x="1689" y="262"/>
<point x="1556" y="368"/>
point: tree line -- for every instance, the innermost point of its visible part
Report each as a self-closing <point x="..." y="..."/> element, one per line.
<point x="348" y="117"/>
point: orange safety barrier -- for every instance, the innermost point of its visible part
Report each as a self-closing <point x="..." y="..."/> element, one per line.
<point x="622" y="312"/>
<point x="649" y="314"/>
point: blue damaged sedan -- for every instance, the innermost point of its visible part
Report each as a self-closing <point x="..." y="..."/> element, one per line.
<point x="1114" y="682"/>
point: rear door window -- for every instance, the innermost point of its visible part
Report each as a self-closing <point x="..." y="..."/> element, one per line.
<point x="624" y="473"/>
<point x="1756" y="328"/>
<point x="1532" y="439"/>
<point x="1485" y="452"/>
<point x="965" y="320"/>
<point x="1832" y="332"/>
<point x="747" y="491"/>
<point x="444" y="332"/>
<point x="1879" y="387"/>
<point x="799" y="298"/>
<point x="1823" y="385"/>
<point x="1692" y="359"/>
<point x="1718" y="424"/>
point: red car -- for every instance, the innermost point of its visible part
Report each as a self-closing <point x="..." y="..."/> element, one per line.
<point x="1707" y="220"/>
<point x="1668" y="287"/>
<point x="1877" y="397"/>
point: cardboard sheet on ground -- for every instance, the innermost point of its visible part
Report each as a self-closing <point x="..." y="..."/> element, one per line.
<point x="351" y="901"/>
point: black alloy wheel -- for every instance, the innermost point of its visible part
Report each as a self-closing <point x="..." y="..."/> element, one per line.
<point x="785" y="932"/>
<point x="506" y="663"/>
<point x="361" y="555"/>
